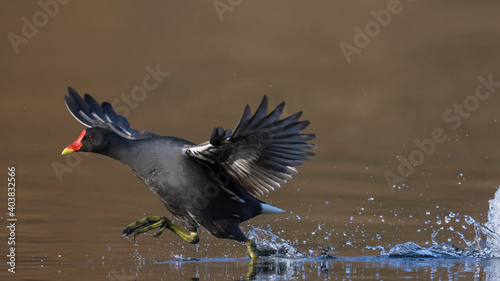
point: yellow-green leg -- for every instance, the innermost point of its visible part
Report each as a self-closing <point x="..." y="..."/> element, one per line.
<point x="252" y="249"/>
<point x="152" y="222"/>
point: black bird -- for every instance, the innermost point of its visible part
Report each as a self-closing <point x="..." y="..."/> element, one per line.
<point x="213" y="185"/>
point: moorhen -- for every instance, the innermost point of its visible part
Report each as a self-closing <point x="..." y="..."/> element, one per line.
<point x="213" y="185"/>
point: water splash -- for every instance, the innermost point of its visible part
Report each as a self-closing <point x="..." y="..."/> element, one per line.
<point x="492" y="228"/>
<point x="485" y="244"/>
<point x="412" y="250"/>
<point x="269" y="244"/>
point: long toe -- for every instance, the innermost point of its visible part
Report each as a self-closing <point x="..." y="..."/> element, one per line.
<point x="144" y="225"/>
<point x="127" y="231"/>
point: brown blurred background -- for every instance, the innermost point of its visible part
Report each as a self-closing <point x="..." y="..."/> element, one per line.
<point x="221" y="56"/>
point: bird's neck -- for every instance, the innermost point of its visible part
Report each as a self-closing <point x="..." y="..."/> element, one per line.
<point x="117" y="148"/>
<point x="135" y="154"/>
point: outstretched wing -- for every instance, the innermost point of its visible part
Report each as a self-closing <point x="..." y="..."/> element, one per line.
<point x="263" y="150"/>
<point x="88" y="112"/>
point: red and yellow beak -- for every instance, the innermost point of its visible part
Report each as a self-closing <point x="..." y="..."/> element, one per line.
<point x="75" y="146"/>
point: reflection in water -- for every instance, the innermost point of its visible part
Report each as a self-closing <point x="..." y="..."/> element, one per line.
<point x="378" y="267"/>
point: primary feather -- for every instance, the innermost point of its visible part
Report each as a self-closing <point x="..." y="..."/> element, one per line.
<point x="263" y="150"/>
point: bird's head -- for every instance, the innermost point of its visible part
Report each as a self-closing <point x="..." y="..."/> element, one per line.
<point x="90" y="140"/>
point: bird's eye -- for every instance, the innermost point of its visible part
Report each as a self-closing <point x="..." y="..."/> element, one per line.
<point x="91" y="137"/>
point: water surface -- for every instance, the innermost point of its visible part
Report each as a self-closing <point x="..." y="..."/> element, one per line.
<point x="369" y="114"/>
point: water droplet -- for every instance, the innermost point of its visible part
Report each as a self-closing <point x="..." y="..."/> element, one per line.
<point x="370" y="199"/>
<point x="469" y="220"/>
<point x="438" y="222"/>
<point x="378" y="236"/>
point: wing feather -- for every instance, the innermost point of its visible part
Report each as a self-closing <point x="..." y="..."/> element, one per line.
<point x="262" y="151"/>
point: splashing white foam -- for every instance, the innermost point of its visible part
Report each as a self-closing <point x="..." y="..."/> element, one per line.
<point x="269" y="244"/>
<point x="486" y="242"/>
<point x="492" y="228"/>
